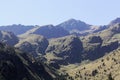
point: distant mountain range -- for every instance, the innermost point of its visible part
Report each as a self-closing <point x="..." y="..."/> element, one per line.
<point x="16" y="29"/>
<point x="48" y="31"/>
<point x="70" y="26"/>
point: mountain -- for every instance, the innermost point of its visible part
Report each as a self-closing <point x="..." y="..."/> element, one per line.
<point x="73" y="49"/>
<point x="48" y="31"/>
<point x="80" y="28"/>
<point x="8" y="38"/>
<point x="33" y="44"/>
<point x="100" y="28"/>
<point x="73" y="24"/>
<point x="16" y="65"/>
<point x="64" y="50"/>
<point x="100" y="57"/>
<point x="67" y="51"/>
<point x="16" y="29"/>
<point x="111" y="33"/>
<point x="97" y="44"/>
<point x="113" y="22"/>
<point x="105" y="68"/>
<point x="95" y="47"/>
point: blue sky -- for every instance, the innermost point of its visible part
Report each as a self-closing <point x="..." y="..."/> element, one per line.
<point x="42" y="12"/>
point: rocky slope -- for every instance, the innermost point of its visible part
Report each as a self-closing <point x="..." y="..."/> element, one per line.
<point x="8" y="38"/>
<point x="104" y="45"/>
<point x="33" y="44"/>
<point x="115" y="21"/>
<point x="105" y="68"/>
<point x="64" y="50"/>
<point x="48" y="31"/>
<point x="80" y="28"/>
<point x="73" y="24"/>
<point x="73" y="49"/>
<point x="15" y="65"/>
<point x="16" y="29"/>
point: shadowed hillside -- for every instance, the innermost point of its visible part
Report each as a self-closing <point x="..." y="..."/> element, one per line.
<point x="8" y="38"/>
<point x="15" y="65"/>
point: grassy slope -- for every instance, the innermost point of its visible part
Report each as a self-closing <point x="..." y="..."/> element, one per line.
<point x="101" y="69"/>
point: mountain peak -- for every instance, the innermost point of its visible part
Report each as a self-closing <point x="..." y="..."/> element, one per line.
<point x="72" y="20"/>
<point x="117" y="20"/>
<point x="73" y="24"/>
